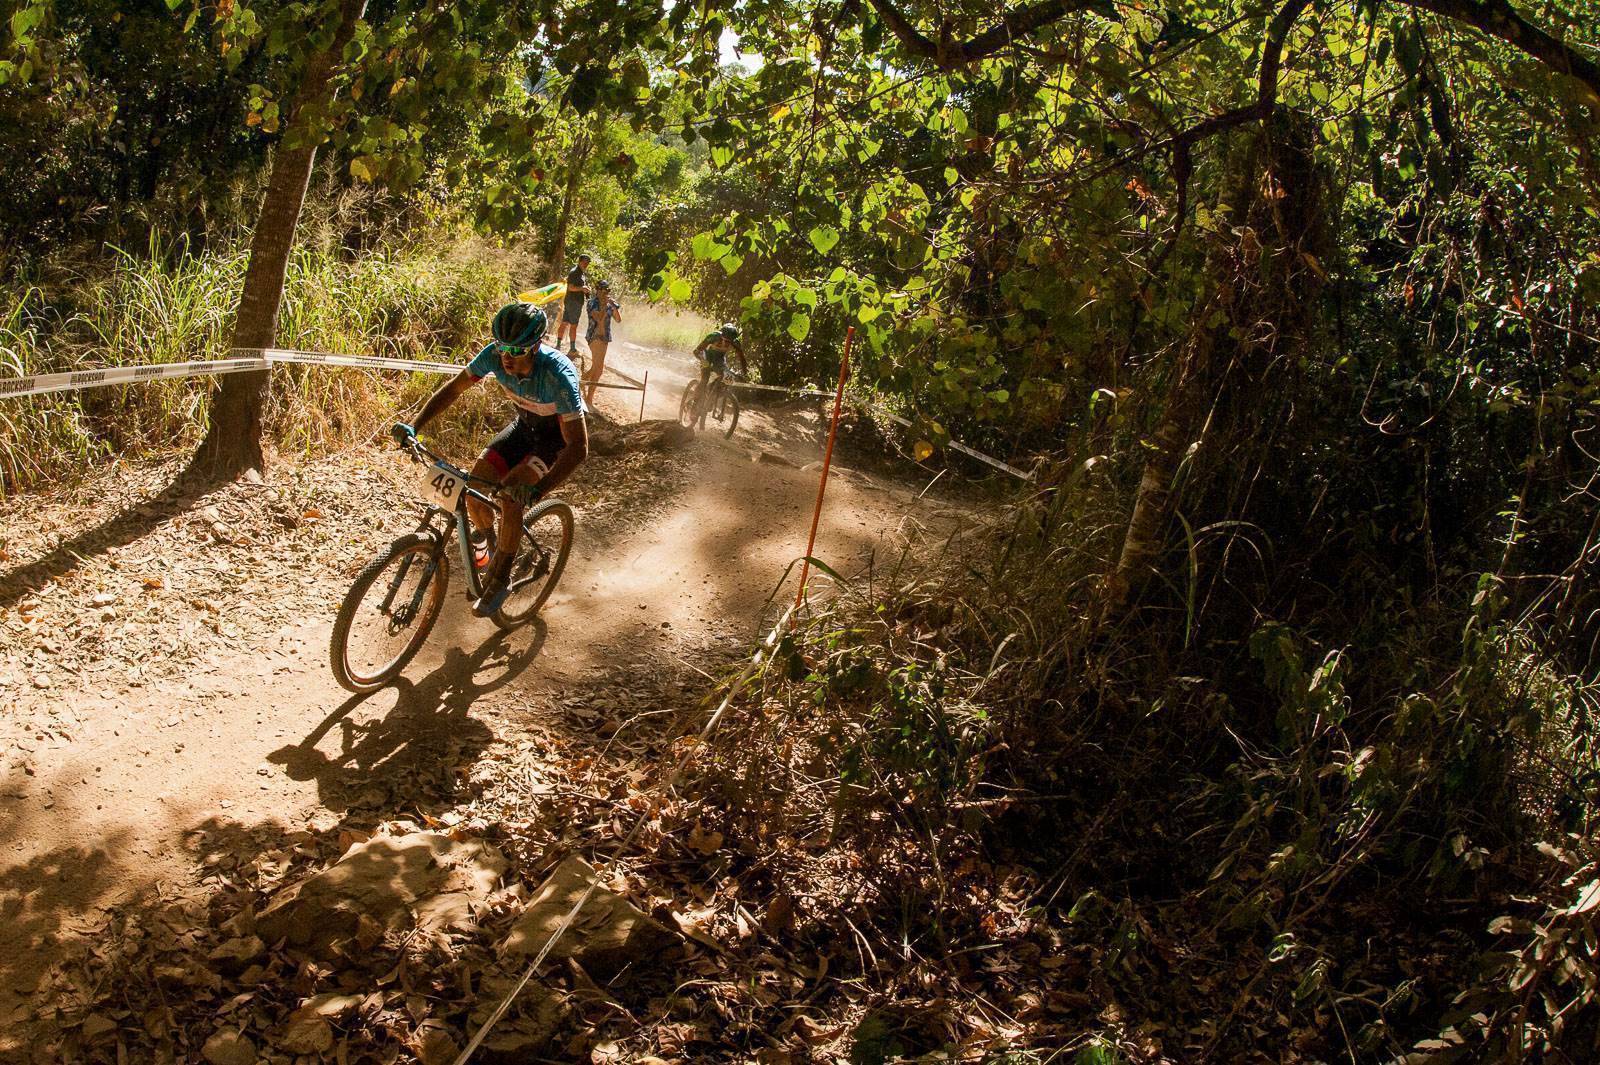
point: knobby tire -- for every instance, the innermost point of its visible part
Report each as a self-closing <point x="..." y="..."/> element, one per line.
<point x="423" y="547"/>
<point x="508" y="618"/>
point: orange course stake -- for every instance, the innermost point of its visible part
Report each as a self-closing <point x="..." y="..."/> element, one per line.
<point x="827" y="463"/>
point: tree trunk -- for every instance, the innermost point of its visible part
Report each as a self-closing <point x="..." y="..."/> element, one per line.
<point x="233" y="440"/>
<point x="1264" y="284"/>
<point x="1152" y="504"/>
<point x="569" y="196"/>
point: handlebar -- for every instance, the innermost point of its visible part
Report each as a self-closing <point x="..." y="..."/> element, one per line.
<point x="420" y="452"/>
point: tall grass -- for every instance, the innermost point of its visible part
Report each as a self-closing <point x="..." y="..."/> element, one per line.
<point x="164" y="304"/>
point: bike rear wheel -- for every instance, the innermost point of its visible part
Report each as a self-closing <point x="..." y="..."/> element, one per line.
<point x="541" y="557"/>
<point x="689" y="406"/>
<point x="388" y="612"/>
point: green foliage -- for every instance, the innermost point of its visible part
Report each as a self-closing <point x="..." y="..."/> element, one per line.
<point x="908" y="739"/>
<point x="108" y="108"/>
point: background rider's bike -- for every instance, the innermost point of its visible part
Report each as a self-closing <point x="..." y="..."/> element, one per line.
<point x="395" y="599"/>
<point x="716" y="401"/>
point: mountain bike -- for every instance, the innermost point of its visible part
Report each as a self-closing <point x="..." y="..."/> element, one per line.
<point x="396" y="598"/>
<point x="715" y="400"/>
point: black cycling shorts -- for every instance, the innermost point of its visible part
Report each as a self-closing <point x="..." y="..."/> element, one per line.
<point x="525" y="439"/>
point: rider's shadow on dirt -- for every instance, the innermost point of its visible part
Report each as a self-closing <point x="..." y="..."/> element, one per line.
<point x="419" y="752"/>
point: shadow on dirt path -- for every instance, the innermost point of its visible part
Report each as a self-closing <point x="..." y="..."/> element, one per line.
<point x="428" y="729"/>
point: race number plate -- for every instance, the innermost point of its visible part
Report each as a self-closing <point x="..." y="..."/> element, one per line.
<point x="440" y="487"/>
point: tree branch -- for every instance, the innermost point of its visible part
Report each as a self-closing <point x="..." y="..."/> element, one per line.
<point x="1499" y="19"/>
<point x="950" y="55"/>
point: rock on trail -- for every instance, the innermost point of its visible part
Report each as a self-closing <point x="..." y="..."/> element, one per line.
<point x="608" y="935"/>
<point x="421" y="880"/>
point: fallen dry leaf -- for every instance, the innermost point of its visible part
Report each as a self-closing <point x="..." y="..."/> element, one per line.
<point x="229" y="1047"/>
<point x="433" y="1044"/>
<point x="815" y="1033"/>
<point x="306" y="1033"/>
<point x="96" y="1025"/>
<point x="330" y="1005"/>
<point x="703" y="841"/>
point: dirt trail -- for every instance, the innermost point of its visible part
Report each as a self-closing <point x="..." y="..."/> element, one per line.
<point x="153" y="782"/>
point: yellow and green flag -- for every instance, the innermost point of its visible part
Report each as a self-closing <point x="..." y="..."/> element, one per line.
<point x="544" y="293"/>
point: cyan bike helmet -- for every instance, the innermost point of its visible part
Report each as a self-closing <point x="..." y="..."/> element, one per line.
<point x="519" y="326"/>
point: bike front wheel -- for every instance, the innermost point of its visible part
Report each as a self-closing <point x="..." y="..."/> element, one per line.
<point x="388" y="612"/>
<point x="727" y="410"/>
<point x="541" y="556"/>
<point x="689" y="406"/>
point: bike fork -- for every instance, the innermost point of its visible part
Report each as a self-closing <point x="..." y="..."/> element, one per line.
<point x="422" y="586"/>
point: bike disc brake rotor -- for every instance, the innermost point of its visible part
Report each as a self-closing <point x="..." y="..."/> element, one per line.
<point x="531" y="565"/>
<point x="401" y="618"/>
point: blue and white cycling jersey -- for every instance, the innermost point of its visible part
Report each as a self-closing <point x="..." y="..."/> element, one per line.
<point x="549" y="390"/>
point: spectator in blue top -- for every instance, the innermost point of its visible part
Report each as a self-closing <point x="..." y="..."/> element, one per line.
<point x="603" y="310"/>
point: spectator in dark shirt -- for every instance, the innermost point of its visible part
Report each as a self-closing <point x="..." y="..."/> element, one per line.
<point x="572" y="305"/>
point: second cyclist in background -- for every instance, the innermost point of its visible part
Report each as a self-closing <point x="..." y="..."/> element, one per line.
<point x="713" y="352"/>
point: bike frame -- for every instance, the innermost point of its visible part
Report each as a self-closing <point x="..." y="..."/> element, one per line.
<point x="714" y="391"/>
<point x="463" y="528"/>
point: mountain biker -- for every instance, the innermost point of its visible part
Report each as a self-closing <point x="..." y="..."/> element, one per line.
<point x="713" y="353"/>
<point x="536" y="452"/>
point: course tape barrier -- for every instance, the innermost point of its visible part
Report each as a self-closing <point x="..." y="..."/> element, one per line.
<point x="631" y="380"/>
<point x="990" y="460"/>
<point x="371" y="362"/>
<point x="249" y="359"/>
<point x="262" y="358"/>
<point x="377" y="362"/>
<point x="73" y="381"/>
<point x="778" y="388"/>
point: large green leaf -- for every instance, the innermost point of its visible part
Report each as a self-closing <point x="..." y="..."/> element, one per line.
<point x="823" y="238"/>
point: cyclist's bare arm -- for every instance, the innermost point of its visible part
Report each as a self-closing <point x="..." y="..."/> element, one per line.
<point x="448" y="393"/>
<point x="575" y="433"/>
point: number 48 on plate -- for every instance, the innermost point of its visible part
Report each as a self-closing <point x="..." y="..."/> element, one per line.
<point x="440" y="486"/>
